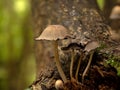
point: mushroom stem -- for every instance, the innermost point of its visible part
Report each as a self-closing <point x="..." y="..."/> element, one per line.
<point x="79" y="62"/>
<point x="58" y="64"/>
<point x="71" y="64"/>
<point x="88" y="65"/>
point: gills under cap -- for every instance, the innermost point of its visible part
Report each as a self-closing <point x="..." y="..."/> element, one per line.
<point x="53" y="32"/>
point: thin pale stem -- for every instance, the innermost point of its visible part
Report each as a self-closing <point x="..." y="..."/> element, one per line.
<point x="58" y="64"/>
<point x="79" y="62"/>
<point x="71" y="65"/>
<point x="88" y="65"/>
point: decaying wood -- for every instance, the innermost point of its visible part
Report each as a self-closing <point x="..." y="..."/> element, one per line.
<point x="85" y="24"/>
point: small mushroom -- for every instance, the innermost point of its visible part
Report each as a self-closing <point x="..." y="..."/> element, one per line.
<point x="59" y="84"/>
<point x="54" y="33"/>
<point x="115" y="14"/>
<point x="90" y="47"/>
<point x="72" y="47"/>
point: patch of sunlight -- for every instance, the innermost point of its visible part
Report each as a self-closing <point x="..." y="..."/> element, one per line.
<point x="20" y="6"/>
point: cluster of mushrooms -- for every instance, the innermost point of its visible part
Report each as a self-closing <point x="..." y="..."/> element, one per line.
<point x="54" y="33"/>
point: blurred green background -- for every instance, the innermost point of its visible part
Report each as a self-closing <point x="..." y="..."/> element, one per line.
<point x="17" y="61"/>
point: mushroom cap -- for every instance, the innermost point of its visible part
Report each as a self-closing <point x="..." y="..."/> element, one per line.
<point x="91" y="46"/>
<point x="115" y="14"/>
<point x="59" y="84"/>
<point x="53" y="32"/>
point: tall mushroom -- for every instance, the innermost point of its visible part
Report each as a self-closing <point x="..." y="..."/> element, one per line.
<point x="78" y="66"/>
<point x="90" y="47"/>
<point x="54" y="33"/>
<point x="72" y="47"/>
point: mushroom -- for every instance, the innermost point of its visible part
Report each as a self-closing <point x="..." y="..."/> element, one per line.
<point x="90" y="47"/>
<point x="54" y="33"/>
<point x="78" y="66"/>
<point x="115" y="14"/>
<point x="72" y="63"/>
<point x="72" y="47"/>
<point x="59" y="85"/>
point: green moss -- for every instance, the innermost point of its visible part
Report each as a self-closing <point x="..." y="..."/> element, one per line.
<point x="115" y="62"/>
<point x="102" y="46"/>
<point x="110" y="59"/>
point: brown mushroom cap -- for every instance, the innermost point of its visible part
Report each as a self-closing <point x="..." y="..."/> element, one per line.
<point x="91" y="46"/>
<point x="115" y="14"/>
<point x="53" y="32"/>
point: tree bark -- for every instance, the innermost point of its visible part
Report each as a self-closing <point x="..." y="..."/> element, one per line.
<point x="85" y="24"/>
